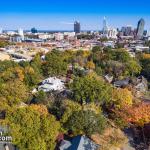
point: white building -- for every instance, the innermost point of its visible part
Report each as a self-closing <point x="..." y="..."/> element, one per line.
<point x="1" y="30"/>
<point x="21" y="33"/>
<point x="52" y="84"/>
<point x="109" y="32"/>
<point x="70" y="34"/>
<point x="11" y="33"/>
<point x="45" y="36"/>
<point x="59" y="36"/>
<point x="109" y="44"/>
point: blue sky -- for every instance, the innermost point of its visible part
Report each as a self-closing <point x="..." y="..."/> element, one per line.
<point x="59" y="14"/>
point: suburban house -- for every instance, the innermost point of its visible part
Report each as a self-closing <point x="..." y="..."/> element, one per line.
<point x="51" y="84"/>
<point x="121" y="83"/>
<point x="80" y="142"/>
<point x="139" y="84"/>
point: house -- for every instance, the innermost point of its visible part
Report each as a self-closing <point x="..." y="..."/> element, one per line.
<point x="141" y="84"/>
<point x="80" y="142"/>
<point x="51" y="84"/>
<point x="108" y="78"/>
<point x="122" y="83"/>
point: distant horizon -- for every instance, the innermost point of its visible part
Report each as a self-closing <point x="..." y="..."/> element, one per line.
<point x="60" y="15"/>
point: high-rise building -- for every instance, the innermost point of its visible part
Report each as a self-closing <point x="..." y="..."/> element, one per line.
<point x="148" y="33"/>
<point x="109" y="32"/>
<point x="140" y="28"/>
<point x="77" y="27"/>
<point x="21" y="33"/>
<point x="127" y="30"/>
<point x="105" y="27"/>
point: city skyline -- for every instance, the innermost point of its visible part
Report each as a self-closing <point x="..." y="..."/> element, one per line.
<point x="56" y="15"/>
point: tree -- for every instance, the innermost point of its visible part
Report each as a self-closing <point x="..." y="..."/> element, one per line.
<point x="81" y="58"/>
<point x="90" y="65"/>
<point x="133" y="67"/>
<point x="37" y="63"/>
<point x="121" y="55"/>
<point x="32" y="127"/>
<point x="145" y="63"/>
<point x="4" y="65"/>
<point x="40" y="98"/>
<point x="90" y="89"/>
<point x="121" y="98"/>
<point x="12" y="74"/>
<point x="85" y="122"/>
<point x="14" y="92"/>
<point x="32" y="77"/>
<point x="116" y="68"/>
<point x="138" y="114"/>
<point x="96" y="49"/>
<point x="69" y="107"/>
<point x="54" y="64"/>
<point x="4" y="44"/>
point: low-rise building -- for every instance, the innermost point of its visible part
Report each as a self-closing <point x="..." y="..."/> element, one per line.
<point x="52" y="84"/>
<point x="78" y="143"/>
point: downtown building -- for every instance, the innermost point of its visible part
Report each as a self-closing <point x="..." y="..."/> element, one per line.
<point x="140" y="29"/>
<point x="77" y="27"/>
<point x="110" y="33"/>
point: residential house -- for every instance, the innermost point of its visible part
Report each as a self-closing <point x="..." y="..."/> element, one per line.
<point x="52" y="84"/>
<point x="122" y="83"/>
<point x="80" y="142"/>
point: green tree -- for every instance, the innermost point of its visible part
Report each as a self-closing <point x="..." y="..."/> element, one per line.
<point x="145" y="63"/>
<point x="40" y="98"/>
<point x="121" y="55"/>
<point x="54" y="64"/>
<point x="90" y="89"/>
<point x="133" y="67"/>
<point x="32" y="129"/>
<point x="4" y="65"/>
<point x="32" y="76"/>
<point x="86" y="122"/>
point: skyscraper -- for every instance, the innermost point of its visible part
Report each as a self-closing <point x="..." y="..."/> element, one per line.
<point x="108" y="32"/>
<point x="21" y="34"/>
<point x="140" y="28"/>
<point x="77" y="27"/>
<point x="105" y="27"/>
<point x="127" y="30"/>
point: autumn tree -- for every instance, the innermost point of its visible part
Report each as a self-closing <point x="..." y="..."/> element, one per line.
<point x="14" y="92"/>
<point x="32" y="127"/>
<point x="90" y="65"/>
<point x="138" y="114"/>
<point x="121" y="97"/>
